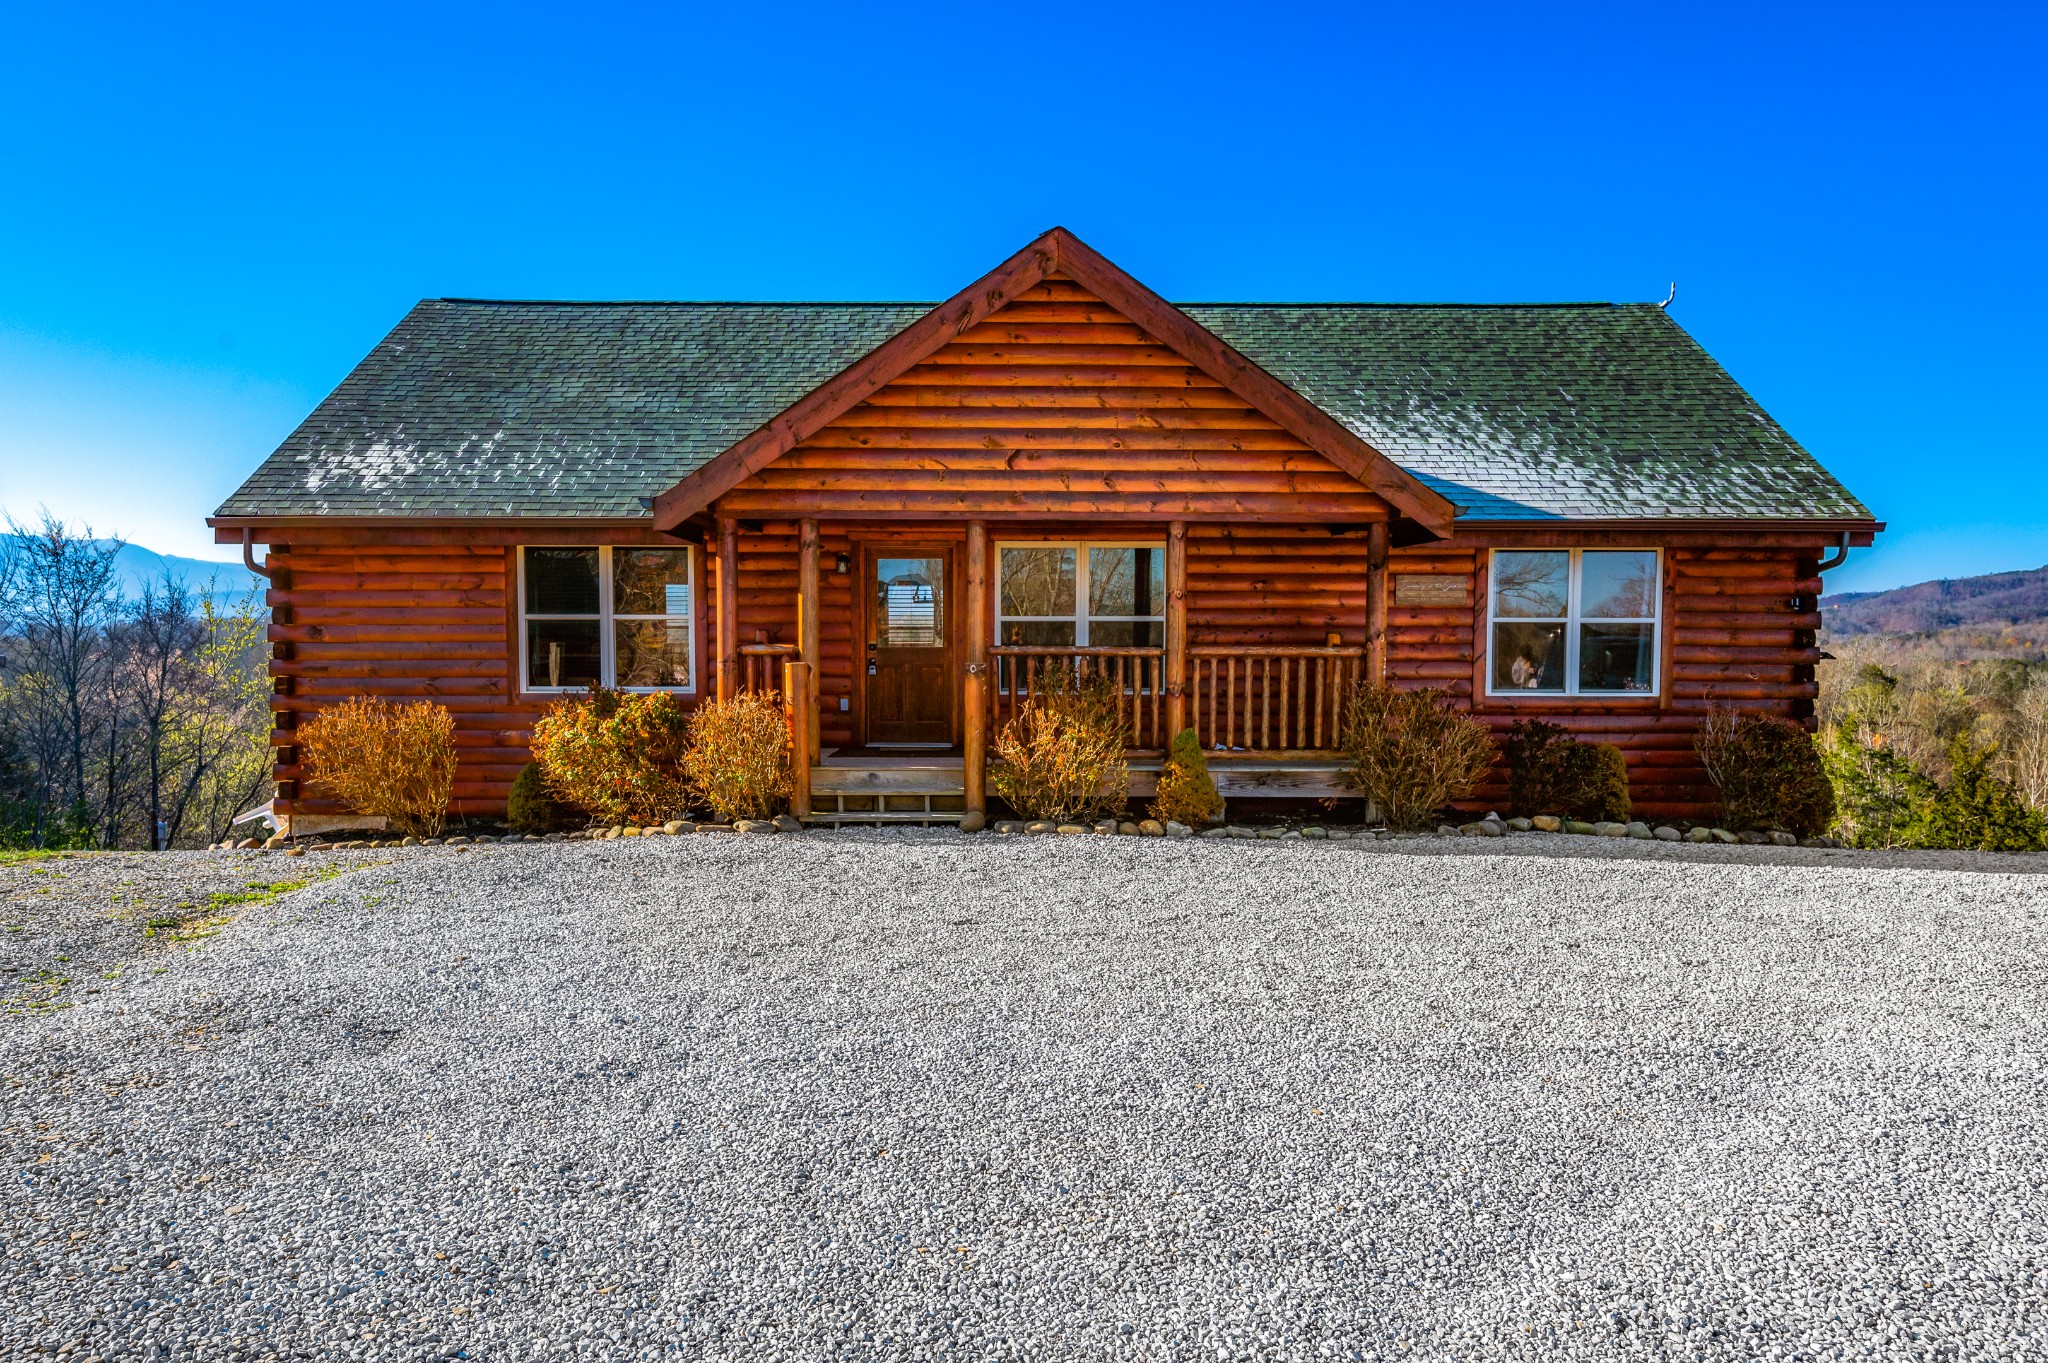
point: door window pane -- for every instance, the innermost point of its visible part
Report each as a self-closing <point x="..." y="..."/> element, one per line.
<point x="910" y="602"/>
<point x="561" y="653"/>
<point x="651" y="581"/>
<point x="1616" y="657"/>
<point x="1617" y="584"/>
<point x="1531" y="585"/>
<point x="1038" y="582"/>
<point x="1126" y="582"/>
<point x="1528" y="657"/>
<point x="652" y="653"/>
<point x="561" y="582"/>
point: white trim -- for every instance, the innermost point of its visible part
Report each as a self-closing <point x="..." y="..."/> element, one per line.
<point x="1571" y="620"/>
<point x="1080" y="618"/>
<point x="607" y="619"/>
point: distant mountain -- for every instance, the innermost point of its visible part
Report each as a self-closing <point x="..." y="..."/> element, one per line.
<point x="137" y="565"/>
<point x="1991" y="602"/>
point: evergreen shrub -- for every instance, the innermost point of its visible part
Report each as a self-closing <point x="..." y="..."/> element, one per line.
<point x="1186" y="793"/>
<point x="532" y="808"/>
<point x="1977" y="811"/>
<point x="1768" y="771"/>
<point x="1551" y="772"/>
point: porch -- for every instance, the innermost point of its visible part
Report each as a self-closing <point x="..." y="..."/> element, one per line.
<point x="1268" y="715"/>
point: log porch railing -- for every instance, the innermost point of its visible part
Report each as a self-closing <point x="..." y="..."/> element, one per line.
<point x="1137" y="677"/>
<point x="1251" y="700"/>
<point x="1271" y="699"/>
<point x="761" y="667"/>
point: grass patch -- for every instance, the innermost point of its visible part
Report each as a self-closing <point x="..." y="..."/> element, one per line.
<point x="16" y="856"/>
<point x="194" y="922"/>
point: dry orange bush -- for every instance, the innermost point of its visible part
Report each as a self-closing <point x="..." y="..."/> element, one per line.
<point x="737" y="756"/>
<point x="380" y="758"/>
<point x="1062" y="757"/>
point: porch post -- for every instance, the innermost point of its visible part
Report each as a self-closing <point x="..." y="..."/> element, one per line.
<point x="807" y="613"/>
<point x="728" y="607"/>
<point x="973" y="692"/>
<point x="1176" y="629"/>
<point x="1376" y="603"/>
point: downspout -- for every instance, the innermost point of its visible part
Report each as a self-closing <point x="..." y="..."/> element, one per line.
<point x="1840" y="555"/>
<point x="249" y="553"/>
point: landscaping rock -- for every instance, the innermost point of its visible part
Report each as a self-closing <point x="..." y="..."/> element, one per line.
<point x="676" y="827"/>
<point x="1482" y="828"/>
<point x="1007" y="826"/>
<point x="1215" y="833"/>
<point x="1607" y="828"/>
<point x="459" y="840"/>
<point x="1071" y="830"/>
<point x="1152" y="828"/>
<point x="1239" y="831"/>
<point x="1666" y="833"/>
<point x="1722" y="835"/>
<point x="1128" y="829"/>
<point x="1579" y="826"/>
<point x="1178" y="830"/>
<point x="788" y="823"/>
<point x="1444" y="830"/>
<point x="1816" y="842"/>
<point x="1699" y="835"/>
<point x="1106" y="827"/>
<point x="1636" y="828"/>
<point x="1271" y="834"/>
<point x="973" y="821"/>
<point x="1521" y="825"/>
<point x="1041" y="826"/>
<point x="754" y="827"/>
<point x="1547" y="823"/>
<point x="1753" y="838"/>
<point x="1784" y="840"/>
<point x="1315" y="833"/>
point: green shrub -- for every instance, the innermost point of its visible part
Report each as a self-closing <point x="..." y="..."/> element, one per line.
<point x="532" y="808"/>
<point x="738" y="756"/>
<point x="1062" y="757"/>
<point x="1881" y="798"/>
<point x="615" y="755"/>
<point x="1551" y="772"/>
<point x="1186" y="793"/>
<point x="1768" y="771"/>
<point x="377" y="757"/>
<point x="1411" y="753"/>
<point x="1977" y="811"/>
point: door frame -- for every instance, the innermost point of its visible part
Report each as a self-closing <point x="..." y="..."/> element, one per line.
<point x="865" y="552"/>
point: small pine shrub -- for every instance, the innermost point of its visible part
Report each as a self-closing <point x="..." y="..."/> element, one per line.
<point x="737" y="759"/>
<point x="532" y="808"/>
<point x="615" y="755"/>
<point x="1062" y="757"/>
<point x="1977" y="811"/>
<point x="395" y="761"/>
<point x="1881" y="798"/>
<point x="1768" y="771"/>
<point x="1551" y="772"/>
<point x="1411" y="753"/>
<point x="1186" y="793"/>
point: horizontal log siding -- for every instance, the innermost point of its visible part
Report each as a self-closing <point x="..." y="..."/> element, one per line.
<point x="1735" y="637"/>
<point x="353" y="614"/>
<point x="1057" y="406"/>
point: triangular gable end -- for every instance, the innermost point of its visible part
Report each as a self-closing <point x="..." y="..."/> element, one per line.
<point x="1059" y="256"/>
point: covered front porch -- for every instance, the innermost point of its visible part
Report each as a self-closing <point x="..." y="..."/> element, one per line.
<point x="887" y="658"/>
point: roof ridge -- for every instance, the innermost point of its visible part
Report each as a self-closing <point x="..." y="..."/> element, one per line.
<point x="916" y="303"/>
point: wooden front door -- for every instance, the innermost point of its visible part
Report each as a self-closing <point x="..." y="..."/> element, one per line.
<point x="911" y="695"/>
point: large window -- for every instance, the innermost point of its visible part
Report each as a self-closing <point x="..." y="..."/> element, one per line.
<point x="1574" y="622"/>
<point x="608" y="616"/>
<point x="1081" y="595"/>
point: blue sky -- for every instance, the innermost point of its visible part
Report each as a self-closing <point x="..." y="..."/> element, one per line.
<point x="206" y="218"/>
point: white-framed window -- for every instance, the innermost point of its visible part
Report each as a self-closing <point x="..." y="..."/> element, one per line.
<point x="1574" y="622"/>
<point x="611" y="615"/>
<point x="1083" y="593"/>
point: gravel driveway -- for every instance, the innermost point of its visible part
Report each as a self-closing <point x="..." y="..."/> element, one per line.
<point x="914" y="1095"/>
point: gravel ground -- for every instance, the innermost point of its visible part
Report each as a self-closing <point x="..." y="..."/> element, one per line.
<point x="914" y="1095"/>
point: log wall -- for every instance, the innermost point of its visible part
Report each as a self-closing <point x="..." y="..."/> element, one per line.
<point x="1057" y="406"/>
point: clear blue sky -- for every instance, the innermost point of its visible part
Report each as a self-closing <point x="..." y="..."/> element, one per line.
<point x="205" y="219"/>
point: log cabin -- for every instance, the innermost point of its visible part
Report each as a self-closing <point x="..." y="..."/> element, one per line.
<point x="897" y="516"/>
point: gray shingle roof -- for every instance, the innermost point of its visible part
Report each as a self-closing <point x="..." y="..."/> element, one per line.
<point x="580" y="410"/>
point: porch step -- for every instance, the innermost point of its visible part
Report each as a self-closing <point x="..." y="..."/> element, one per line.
<point x="933" y="794"/>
